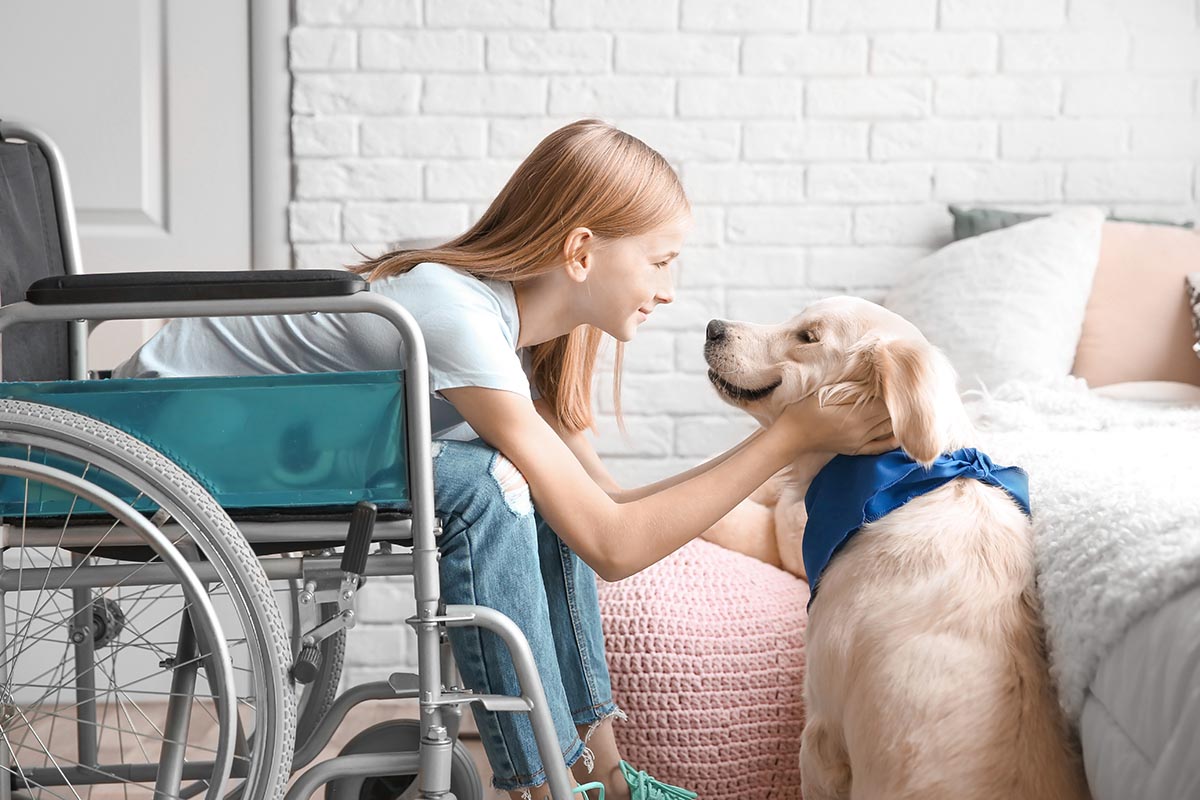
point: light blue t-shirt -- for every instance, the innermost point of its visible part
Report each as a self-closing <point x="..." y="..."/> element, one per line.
<point x="470" y="327"/>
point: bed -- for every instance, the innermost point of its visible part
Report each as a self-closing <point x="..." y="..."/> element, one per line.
<point x="1116" y="494"/>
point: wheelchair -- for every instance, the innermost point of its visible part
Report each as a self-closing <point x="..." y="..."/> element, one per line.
<point x="182" y="557"/>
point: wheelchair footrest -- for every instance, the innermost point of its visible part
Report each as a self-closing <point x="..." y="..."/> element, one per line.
<point x="407" y="683"/>
<point x="501" y="702"/>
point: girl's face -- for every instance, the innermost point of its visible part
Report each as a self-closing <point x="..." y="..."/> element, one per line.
<point x="631" y="276"/>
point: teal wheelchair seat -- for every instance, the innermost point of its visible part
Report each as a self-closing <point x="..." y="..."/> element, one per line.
<point x="275" y="446"/>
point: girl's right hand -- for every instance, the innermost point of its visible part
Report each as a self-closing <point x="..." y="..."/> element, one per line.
<point x="847" y="429"/>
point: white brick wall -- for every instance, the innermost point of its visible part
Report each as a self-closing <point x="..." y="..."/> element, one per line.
<point x="819" y="141"/>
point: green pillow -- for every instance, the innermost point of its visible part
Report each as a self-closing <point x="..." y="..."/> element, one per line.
<point x="974" y="221"/>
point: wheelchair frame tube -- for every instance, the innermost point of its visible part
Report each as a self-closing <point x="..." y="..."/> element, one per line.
<point x="531" y="686"/>
<point x="179" y="711"/>
<point x="6" y="761"/>
<point x="86" y="733"/>
<point x="144" y="574"/>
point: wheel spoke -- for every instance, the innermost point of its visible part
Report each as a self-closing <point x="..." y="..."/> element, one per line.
<point x="61" y="535"/>
<point x="67" y="579"/>
<point x="82" y="561"/>
<point x="129" y="721"/>
<point x="63" y="673"/>
<point x="46" y="750"/>
<point x="132" y="730"/>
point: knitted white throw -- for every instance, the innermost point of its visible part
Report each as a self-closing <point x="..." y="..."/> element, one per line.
<point x="1115" y="489"/>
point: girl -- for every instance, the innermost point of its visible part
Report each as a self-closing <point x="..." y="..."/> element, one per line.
<point x="577" y="244"/>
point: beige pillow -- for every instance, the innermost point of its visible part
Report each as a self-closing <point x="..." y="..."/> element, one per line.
<point x="1171" y="392"/>
<point x="1137" y="325"/>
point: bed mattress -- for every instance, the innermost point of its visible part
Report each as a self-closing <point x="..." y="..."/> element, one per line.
<point x="1140" y="725"/>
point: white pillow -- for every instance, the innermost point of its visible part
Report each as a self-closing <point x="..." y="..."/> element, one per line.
<point x="1007" y="304"/>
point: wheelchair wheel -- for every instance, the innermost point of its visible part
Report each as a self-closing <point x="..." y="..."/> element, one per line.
<point x="402" y="735"/>
<point x="100" y="692"/>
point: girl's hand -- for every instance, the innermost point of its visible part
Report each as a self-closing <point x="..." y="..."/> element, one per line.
<point x="846" y="429"/>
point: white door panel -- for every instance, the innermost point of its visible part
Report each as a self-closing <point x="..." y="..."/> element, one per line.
<point x="149" y="102"/>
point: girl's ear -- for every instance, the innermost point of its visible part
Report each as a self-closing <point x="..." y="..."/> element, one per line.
<point x="908" y="384"/>
<point x="577" y="250"/>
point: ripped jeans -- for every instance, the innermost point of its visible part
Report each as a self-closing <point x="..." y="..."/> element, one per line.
<point x="496" y="551"/>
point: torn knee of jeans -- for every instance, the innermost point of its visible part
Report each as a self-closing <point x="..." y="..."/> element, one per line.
<point x="512" y="483"/>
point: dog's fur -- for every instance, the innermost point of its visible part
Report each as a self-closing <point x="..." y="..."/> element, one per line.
<point x="927" y="675"/>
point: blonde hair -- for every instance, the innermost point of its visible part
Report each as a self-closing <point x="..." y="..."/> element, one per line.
<point x="587" y="174"/>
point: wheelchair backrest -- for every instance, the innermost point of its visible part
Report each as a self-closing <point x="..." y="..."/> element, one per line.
<point x="30" y="248"/>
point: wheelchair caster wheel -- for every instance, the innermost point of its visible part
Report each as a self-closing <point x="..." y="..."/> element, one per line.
<point x="398" y="736"/>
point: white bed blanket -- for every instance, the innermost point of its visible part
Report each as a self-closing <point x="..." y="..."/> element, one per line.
<point x="1115" y="489"/>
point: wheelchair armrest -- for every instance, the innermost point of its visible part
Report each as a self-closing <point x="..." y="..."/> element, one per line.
<point x="156" y="287"/>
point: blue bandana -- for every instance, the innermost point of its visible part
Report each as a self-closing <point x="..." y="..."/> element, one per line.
<point x="854" y="490"/>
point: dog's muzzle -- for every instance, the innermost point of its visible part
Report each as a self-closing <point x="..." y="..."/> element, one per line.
<point x="715" y="340"/>
<point x="739" y="393"/>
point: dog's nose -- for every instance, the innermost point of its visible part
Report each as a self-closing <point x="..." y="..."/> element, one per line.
<point x="716" y="330"/>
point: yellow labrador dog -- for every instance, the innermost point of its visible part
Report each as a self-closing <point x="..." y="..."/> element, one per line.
<point x="927" y="675"/>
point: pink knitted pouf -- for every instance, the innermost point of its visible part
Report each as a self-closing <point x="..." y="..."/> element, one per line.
<point x="707" y="659"/>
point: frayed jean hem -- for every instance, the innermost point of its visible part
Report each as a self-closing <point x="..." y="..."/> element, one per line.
<point x="520" y="782"/>
<point x="592" y="717"/>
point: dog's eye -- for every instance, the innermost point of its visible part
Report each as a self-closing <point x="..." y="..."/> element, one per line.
<point x="808" y="336"/>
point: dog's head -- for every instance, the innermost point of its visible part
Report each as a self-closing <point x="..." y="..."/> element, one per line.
<point x="843" y="349"/>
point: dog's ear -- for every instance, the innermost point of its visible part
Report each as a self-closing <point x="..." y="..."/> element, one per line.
<point x="908" y="382"/>
<point x="859" y="382"/>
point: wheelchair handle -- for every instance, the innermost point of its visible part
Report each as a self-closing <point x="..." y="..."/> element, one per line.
<point x="358" y="540"/>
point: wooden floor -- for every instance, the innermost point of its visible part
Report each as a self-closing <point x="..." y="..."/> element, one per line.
<point x="132" y="739"/>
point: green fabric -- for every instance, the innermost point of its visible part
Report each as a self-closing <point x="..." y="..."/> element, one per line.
<point x="255" y="441"/>
<point x="974" y="221"/>
<point x="644" y="787"/>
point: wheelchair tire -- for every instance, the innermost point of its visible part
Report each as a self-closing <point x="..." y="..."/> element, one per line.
<point x="46" y="432"/>
<point x="402" y="735"/>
